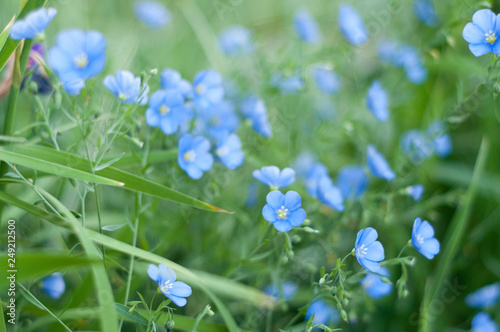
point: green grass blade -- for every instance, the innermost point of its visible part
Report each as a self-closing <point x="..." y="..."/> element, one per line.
<point x="133" y="316"/>
<point x="63" y="160"/>
<point x="3" y="328"/>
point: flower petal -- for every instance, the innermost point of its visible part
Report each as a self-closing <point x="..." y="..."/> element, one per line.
<point x="282" y="225"/>
<point x="269" y="213"/>
<point x="275" y="199"/>
<point x="296" y="218"/>
<point x="181" y="289"/>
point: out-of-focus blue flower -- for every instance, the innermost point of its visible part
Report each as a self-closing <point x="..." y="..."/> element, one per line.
<point x="442" y="141"/>
<point x="288" y="290"/>
<point x="326" y="80"/>
<point x="236" y="40"/>
<point x="254" y="109"/>
<point x="287" y="84"/>
<point x="126" y="88"/>
<point x="324" y="109"/>
<point x="153" y="14"/>
<point x="54" y="285"/>
<point x="482" y="322"/>
<point x="313" y="178"/>
<point x="306" y="27"/>
<point x="323" y="313"/>
<point x="405" y="56"/>
<point x="378" y="165"/>
<point x="415" y="191"/>
<point x="485" y="297"/>
<point x="303" y="163"/>
<point x="171" y="80"/>
<point x="388" y="51"/>
<point x="329" y="194"/>
<point x="368" y="251"/>
<point x="220" y="120"/>
<point x="229" y="152"/>
<point x="167" y="110"/>
<point x="207" y="89"/>
<point x="426" y="13"/>
<point x="482" y="33"/>
<point x="351" y="25"/>
<point x="377" y="101"/>
<point x="417" y="146"/>
<point x="166" y="278"/>
<point x="284" y="211"/>
<point x="422" y="238"/>
<point x="251" y="195"/>
<point x="194" y="156"/>
<point x="77" y="56"/>
<point x="352" y="181"/>
<point x="375" y="286"/>
<point x="33" y="24"/>
<point x="274" y="178"/>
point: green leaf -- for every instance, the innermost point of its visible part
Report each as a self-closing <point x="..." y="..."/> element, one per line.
<point x="133" y="316"/>
<point x="54" y="162"/>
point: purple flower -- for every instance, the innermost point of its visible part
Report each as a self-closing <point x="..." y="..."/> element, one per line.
<point x="482" y="33"/>
<point x="367" y="250"/>
<point x="422" y="239"/>
<point x="284" y="211"/>
<point x="165" y="276"/>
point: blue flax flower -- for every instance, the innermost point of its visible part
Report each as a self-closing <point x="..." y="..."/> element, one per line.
<point x="482" y="33"/>
<point x="54" y="285"/>
<point x="313" y="178"/>
<point x="274" y="178"/>
<point x="378" y="165"/>
<point x="405" y="56"/>
<point x="165" y="276"/>
<point x="306" y="27"/>
<point x="288" y="289"/>
<point x="77" y="56"/>
<point x="254" y="109"/>
<point x="303" y="163"/>
<point x="236" y="40"/>
<point x="375" y="286"/>
<point x="127" y="88"/>
<point x="171" y="80"/>
<point x="219" y="120"/>
<point x="482" y="322"/>
<point x="351" y="25"/>
<point x="32" y="25"/>
<point x="329" y="194"/>
<point x="441" y="140"/>
<point x="323" y="313"/>
<point x="368" y="251"/>
<point x="377" y="101"/>
<point x="153" y="14"/>
<point x="194" y="156"/>
<point x="417" y="146"/>
<point x="484" y="297"/>
<point x="415" y="191"/>
<point x="167" y="111"/>
<point x="326" y="80"/>
<point x="229" y="152"/>
<point x="352" y="181"/>
<point x="422" y="238"/>
<point x="284" y="211"/>
<point x="426" y="13"/>
<point x="207" y="89"/>
<point x="287" y="84"/>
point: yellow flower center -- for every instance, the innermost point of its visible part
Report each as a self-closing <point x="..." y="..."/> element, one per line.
<point x="200" y="88"/>
<point x="491" y="37"/>
<point x="282" y="212"/>
<point x="82" y="60"/>
<point x="166" y="286"/>
<point x="189" y="156"/>
<point x="164" y="109"/>
<point x="122" y="96"/>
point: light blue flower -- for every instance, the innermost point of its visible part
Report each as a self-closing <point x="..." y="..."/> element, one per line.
<point x="378" y="165"/>
<point x="426" y="13"/>
<point x="254" y="109"/>
<point x="207" y="89"/>
<point x="351" y="25"/>
<point x="326" y="80"/>
<point x="441" y="140"/>
<point x="306" y="27"/>
<point x="329" y="194"/>
<point x="171" y="80"/>
<point x="485" y="297"/>
<point x="153" y="14"/>
<point x="235" y="40"/>
<point x="288" y="290"/>
<point x="304" y="161"/>
<point x="482" y="322"/>
<point x="229" y="152"/>
<point x="377" y="101"/>
<point x="33" y="24"/>
<point x="194" y="156"/>
<point x="352" y="181"/>
<point x="127" y="88"/>
<point x="323" y="313"/>
<point x="482" y="33"/>
<point x="167" y="111"/>
<point x="313" y="178"/>
<point x="422" y="239"/>
<point x="375" y="286"/>
<point x="77" y="56"/>
<point x="405" y="56"/>
<point x="367" y="250"/>
<point x="416" y="145"/>
<point x="415" y="191"/>
<point x="220" y="120"/>
<point x="54" y="285"/>
<point x="166" y="278"/>
<point x="287" y="84"/>
<point x="284" y="211"/>
<point x="252" y="190"/>
<point x="274" y="178"/>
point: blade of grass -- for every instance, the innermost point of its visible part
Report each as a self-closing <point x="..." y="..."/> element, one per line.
<point x="3" y="328"/>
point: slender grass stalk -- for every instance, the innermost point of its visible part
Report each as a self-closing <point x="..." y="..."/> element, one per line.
<point x="453" y="239"/>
